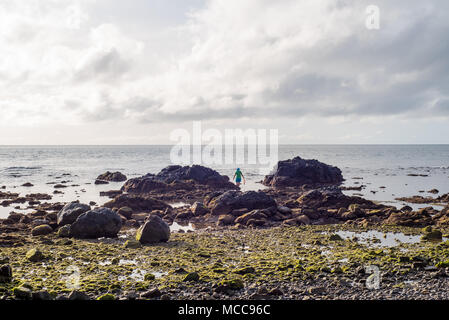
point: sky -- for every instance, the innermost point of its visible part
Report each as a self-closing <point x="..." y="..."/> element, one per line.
<point x="132" y="72"/>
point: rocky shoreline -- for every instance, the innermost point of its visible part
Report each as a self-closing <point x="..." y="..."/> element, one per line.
<point x="273" y="243"/>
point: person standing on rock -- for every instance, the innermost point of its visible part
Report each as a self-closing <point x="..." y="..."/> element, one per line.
<point x="238" y="175"/>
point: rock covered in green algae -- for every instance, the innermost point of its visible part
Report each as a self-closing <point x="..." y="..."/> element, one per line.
<point x="107" y="296"/>
<point x="149" y="277"/>
<point x="153" y="231"/>
<point x="431" y="234"/>
<point x="132" y="244"/>
<point x="232" y="284"/>
<point x="42" y="295"/>
<point x="35" y="255"/>
<point x="42" y="230"/>
<point x="335" y="237"/>
<point x="246" y="270"/>
<point x="23" y="292"/>
<point x="64" y="231"/>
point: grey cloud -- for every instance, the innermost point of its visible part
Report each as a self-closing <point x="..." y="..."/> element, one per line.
<point x="107" y="65"/>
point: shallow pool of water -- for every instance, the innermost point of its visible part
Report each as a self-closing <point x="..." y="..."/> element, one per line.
<point x="175" y="227"/>
<point x="374" y="238"/>
<point x="179" y="204"/>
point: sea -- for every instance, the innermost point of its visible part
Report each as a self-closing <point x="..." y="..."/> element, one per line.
<point x="386" y="171"/>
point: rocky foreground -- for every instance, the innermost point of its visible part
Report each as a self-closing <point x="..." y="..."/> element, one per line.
<point x="283" y="242"/>
<point x="308" y="262"/>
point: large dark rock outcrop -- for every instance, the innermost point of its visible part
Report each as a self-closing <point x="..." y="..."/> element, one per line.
<point x="112" y="177"/>
<point x="232" y="200"/>
<point x="178" y="177"/>
<point x="330" y="197"/>
<point x="97" y="223"/>
<point x="298" y="172"/>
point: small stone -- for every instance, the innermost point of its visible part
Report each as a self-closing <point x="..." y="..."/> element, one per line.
<point x="132" y="244"/>
<point x="64" y="231"/>
<point x="276" y="292"/>
<point x="434" y="235"/>
<point x="42" y="230"/>
<point x="225" y="220"/>
<point x="28" y="185"/>
<point x="226" y="285"/>
<point x="107" y="296"/>
<point x="77" y="295"/>
<point x="153" y="293"/>
<point x="127" y="212"/>
<point x="284" y="210"/>
<point x="4" y="260"/>
<point x="153" y="231"/>
<point x="35" y="255"/>
<point x="246" y="270"/>
<point x="335" y="237"/>
<point x="180" y="271"/>
<point x="64" y="242"/>
<point x="193" y="276"/>
<point x="22" y="292"/>
<point x="198" y="209"/>
<point x="315" y="290"/>
<point x="149" y="277"/>
<point x="41" y="296"/>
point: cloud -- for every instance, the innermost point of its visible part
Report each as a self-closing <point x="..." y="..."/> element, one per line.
<point x="84" y="61"/>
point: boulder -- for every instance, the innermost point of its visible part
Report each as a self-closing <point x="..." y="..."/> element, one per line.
<point x="132" y="244"/>
<point x="64" y="231"/>
<point x="42" y="230"/>
<point x="137" y="203"/>
<point x="153" y="231"/>
<point x="97" y="223"/>
<point x="198" y="209"/>
<point x="225" y="220"/>
<point x="233" y="200"/>
<point x="22" y="292"/>
<point x="431" y="234"/>
<point x="71" y="212"/>
<point x="298" y="172"/>
<point x="112" y="177"/>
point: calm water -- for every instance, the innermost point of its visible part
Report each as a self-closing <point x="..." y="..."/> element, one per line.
<point x="379" y="165"/>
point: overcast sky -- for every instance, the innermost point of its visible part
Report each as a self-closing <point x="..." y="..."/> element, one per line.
<point x="130" y="72"/>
